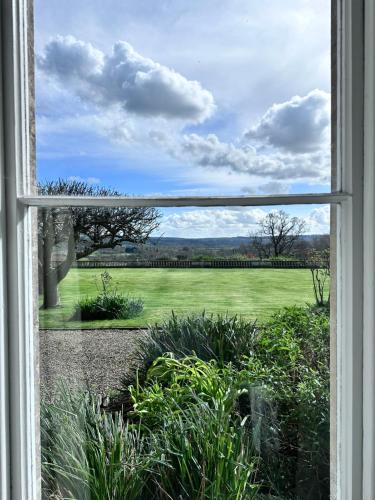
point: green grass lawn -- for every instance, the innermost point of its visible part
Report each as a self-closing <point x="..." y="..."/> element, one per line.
<point x="251" y="293"/>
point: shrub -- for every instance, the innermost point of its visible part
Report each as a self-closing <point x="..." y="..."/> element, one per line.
<point x="281" y="372"/>
<point x="289" y="398"/>
<point x="320" y="269"/>
<point x="208" y="337"/>
<point x="108" y="304"/>
<point x="178" y="383"/>
<point x="191" y="407"/>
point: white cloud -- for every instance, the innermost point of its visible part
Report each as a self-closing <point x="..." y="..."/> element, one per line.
<point x="110" y="124"/>
<point x="318" y="220"/>
<point x="236" y="221"/>
<point x="211" y="222"/>
<point x="300" y="125"/>
<point x="89" y="180"/>
<point x="72" y="58"/>
<point x="231" y="46"/>
<point x="274" y="187"/>
<point x="209" y="151"/>
<point x="140" y="85"/>
<point x="107" y="100"/>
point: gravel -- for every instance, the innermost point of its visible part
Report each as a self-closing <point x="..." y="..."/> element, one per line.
<point x="94" y="359"/>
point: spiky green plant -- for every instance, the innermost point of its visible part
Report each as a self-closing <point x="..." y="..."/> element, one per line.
<point x="91" y="455"/>
<point x="211" y="456"/>
<point x="223" y="338"/>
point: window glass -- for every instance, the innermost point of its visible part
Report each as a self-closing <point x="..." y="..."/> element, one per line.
<point x="184" y="353"/>
<point x="219" y="97"/>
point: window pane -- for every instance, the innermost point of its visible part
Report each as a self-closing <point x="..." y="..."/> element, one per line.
<point x="185" y="353"/>
<point x="185" y="98"/>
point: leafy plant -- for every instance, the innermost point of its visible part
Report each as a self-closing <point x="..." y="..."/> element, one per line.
<point x="208" y="337"/>
<point x="200" y="452"/>
<point x="108" y="304"/>
<point x="89" y="454"/>
<point x="191" y="406"/>
<point x="211" y="457"/>
<point x="289" y="402"/>
<point x="241" y="415"/>
<point x="280" y="378"/>
<point x="179" y="383"/>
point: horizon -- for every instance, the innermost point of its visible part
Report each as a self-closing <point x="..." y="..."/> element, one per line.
<point x="225" y="237"/>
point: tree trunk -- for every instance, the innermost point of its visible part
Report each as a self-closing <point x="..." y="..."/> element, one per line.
<point x="50" y="290"/>
<point x="53" y="276"/>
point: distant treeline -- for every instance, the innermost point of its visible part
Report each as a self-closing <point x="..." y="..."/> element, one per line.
<point x="204" y="249"/>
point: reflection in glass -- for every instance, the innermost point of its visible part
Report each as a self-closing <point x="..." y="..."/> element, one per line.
<point x="185" y="353"/>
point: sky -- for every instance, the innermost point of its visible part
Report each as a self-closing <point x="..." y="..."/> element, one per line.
<point x="176" y="97"/>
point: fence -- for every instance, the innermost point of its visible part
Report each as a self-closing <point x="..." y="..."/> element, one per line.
<point x="192" y="264"/>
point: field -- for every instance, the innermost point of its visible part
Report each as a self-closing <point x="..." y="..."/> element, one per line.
<point x="250" y="293"/>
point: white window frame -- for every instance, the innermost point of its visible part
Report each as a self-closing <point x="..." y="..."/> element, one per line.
<point x="353" y="421"/>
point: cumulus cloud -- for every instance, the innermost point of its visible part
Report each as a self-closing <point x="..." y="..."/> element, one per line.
<point x="202" y="223"/>
<point x="318" y="220"/>
<point x="235" y="221"/>
<point x="209" y="151"/>
<point x="300" y="125"/>
<point x="131" y="92"/>
<point x="69" y="57"/>
<point x="126" y="78"/>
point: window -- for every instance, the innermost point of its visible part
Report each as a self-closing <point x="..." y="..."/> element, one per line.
<point x="352" y="199"/>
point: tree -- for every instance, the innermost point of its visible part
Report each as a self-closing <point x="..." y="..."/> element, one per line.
<point x="68" y="234"/>
<point x="278" y="232"/>
<point x="319" y="262"/>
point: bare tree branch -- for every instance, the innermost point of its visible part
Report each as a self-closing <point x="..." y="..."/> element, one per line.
<point x="82" y="231"/>
<point x="278" y="232"/>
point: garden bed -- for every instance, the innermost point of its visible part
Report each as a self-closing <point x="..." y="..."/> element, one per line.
<point x="221" y="408"/>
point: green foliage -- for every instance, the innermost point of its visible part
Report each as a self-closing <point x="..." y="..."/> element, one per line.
<point x="279" y="378"/>
<point x="111" y="306"/>
<point x="226" y="409"/>
<point x="178" y="383"/>
<point x="108" y="304"/>
<point x="90" y="455"/>
<point x="211" y="456"/>
<point x="191" y="407"/>
<point x="289" y="369"/>
<point x="199" y="452"/>
<point x="208" y="337"/>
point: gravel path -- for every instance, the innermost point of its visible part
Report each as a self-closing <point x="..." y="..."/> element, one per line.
<point x="94" y="359"/>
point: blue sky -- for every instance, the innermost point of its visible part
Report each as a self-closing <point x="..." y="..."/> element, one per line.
<point x="213" y="97"/>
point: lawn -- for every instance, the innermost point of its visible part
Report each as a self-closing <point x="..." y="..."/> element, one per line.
<point x="251" y="293"/>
